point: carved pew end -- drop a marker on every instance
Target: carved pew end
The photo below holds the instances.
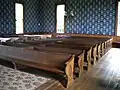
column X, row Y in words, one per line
column 69, row 70
column 81, row 63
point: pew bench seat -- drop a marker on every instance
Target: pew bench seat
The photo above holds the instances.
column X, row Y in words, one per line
column 52, row 62
column 79, row 54
column 87, row 49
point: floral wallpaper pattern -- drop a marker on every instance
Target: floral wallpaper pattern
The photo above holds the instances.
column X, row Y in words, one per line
column 90, row 16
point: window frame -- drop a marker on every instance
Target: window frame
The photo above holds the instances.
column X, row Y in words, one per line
column 56, row 17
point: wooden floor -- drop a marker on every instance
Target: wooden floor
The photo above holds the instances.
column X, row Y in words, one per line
column 105, row 75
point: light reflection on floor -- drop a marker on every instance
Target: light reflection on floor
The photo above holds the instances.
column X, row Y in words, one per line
column 105, row 75
column 114, row 58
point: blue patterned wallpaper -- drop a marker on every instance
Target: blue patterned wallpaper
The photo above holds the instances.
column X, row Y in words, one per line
column 47, row 15
column 7, row 24
column 32, row 10
column 31, row 16
column 90, row 16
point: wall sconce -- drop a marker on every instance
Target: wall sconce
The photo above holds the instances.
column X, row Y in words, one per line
column 65, row 13
column 71, row 13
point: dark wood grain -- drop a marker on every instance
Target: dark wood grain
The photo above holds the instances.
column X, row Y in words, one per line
column 60, row 50
column 54, row 62
column 79, row 54
column 34, row 58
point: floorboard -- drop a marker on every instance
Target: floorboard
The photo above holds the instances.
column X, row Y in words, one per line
column 105, row 75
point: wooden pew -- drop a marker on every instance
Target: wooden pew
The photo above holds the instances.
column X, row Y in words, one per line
column 23, row 45
column 84, row 41
column 107, row 41
column 47, row 41
column 83, row 45
column 35, row 42
column 53, row 62
column 89, row 42
column 91, row 39
column 79, row 54
column 78, row 40
column 77, row 47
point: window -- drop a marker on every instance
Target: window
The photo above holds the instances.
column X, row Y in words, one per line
column 60, row 18
column 19, row 18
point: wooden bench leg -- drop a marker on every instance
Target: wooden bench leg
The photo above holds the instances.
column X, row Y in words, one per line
column 94, row 55
column 102, row 49
column 81, row 63
column 89, row 59
column 89, row 65
column 105, row 46
column 69, row 70
column 98, row 52
column 15, row 66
